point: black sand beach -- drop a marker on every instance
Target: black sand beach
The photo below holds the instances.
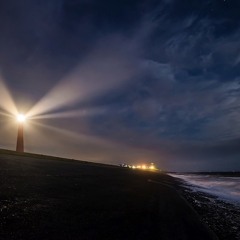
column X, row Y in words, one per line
column 49, row 198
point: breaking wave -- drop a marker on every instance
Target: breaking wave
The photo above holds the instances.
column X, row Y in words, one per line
column 222, row 186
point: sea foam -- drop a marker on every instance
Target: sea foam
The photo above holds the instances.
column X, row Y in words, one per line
column 224, row 187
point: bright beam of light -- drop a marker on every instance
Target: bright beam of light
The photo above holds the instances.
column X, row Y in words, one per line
column 102, row 71
column 62, row 95
column 69, row 114
column 5, row 114
column 7, row 102
column 77, row 136
column 61, row 142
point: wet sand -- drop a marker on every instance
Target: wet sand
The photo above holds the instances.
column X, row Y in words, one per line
column 49, row 198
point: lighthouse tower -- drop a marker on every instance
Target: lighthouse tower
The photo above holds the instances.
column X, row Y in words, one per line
column 20, row 142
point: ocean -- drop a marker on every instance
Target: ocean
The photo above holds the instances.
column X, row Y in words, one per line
column 225, row 186
column 216, row 198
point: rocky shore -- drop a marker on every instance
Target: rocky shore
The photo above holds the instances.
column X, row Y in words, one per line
column 220, row 216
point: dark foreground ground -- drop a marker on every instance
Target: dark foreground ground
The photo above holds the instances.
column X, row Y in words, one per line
column 49, row 198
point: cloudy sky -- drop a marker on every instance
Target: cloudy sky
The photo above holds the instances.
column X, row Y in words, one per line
column 124, row 81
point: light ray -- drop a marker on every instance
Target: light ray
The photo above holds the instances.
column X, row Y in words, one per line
column 87, row 147
column 60, row 96
column 7, row 104
column 100, row 72
column 77, row 136
column 70, row 114
column 6, row 114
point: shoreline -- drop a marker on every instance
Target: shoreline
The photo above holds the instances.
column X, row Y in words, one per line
column 222, row 217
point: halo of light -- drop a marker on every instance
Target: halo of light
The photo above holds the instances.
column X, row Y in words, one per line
column 21, row 118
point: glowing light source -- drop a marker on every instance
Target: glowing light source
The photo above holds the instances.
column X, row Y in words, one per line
column 142, row 167
column 21, row 118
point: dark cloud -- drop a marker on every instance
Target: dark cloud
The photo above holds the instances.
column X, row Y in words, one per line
column 153, row 80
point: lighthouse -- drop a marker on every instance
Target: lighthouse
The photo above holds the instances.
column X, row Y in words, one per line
column 20, row 142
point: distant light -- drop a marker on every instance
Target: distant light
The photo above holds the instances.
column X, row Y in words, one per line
column 144, row 167
column 21, row 118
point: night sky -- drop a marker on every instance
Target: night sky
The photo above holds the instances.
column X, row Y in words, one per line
column 124, row 81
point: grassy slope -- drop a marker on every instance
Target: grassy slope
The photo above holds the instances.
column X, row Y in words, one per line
column 44, row 197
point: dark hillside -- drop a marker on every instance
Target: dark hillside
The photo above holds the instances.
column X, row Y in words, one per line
column 50, row 198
